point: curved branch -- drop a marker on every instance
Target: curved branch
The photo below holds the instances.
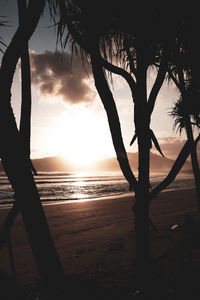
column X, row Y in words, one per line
column 119, row 71
column 178, row 164
column 158, row 82
column 25, row 120
column 110, row 67
column 113, row 118
column 106, row 97
column 20, row 39
column 174, row 79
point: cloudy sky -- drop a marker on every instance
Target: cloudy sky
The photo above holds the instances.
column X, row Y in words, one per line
column 68, row 118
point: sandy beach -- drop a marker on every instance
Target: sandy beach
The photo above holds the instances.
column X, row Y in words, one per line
column 96, row 239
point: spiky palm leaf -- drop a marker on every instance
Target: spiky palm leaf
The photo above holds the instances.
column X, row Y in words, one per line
column 2, row 23
column 177, row 113
column 108, row 23
column 191, row 107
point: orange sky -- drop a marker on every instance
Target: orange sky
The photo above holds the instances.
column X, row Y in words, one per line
column 68, row 118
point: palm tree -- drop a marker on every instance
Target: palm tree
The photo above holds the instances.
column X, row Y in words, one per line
column 186, row 110
column 135, row 43
column 25, row 121
column 99, row 41
column 17, row 167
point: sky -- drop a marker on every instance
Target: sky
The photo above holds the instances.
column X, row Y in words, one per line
column 68, row 118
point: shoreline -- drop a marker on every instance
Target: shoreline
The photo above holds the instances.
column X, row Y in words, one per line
column 116, row 196
column 97, row 238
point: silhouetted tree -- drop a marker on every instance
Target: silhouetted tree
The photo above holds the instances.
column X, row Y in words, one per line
column 25, row 120
column 107, row 32
column 25, row 123
column 99, row 40
column 17, row 167
column 186, row 110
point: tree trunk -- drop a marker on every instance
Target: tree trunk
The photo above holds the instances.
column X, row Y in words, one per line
column 25, row 120
column 113, row 119
column 17, row 167
column 190, row 137
column 141, row 208
column 194, row 158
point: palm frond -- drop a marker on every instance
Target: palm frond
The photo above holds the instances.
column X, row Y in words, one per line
column 3, row 22
column 177, row 113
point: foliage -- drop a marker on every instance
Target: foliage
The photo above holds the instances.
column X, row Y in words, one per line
column 2, row 23
column 191, row 107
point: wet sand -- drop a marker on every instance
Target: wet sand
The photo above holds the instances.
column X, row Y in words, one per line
column 97, row 238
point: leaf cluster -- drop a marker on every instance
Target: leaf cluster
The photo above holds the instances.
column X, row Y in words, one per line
column 3, row 22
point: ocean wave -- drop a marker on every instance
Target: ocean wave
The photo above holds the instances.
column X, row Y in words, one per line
column 53, row 187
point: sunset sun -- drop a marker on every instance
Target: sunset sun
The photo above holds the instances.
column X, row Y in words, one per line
column 78, row 137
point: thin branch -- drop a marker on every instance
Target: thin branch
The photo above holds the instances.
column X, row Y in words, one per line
column 174, row 79
column 158, row 82
column 119, row 71
column 178, row 164
column 113, row 118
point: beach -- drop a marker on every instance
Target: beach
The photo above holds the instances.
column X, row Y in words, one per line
column 96, row 239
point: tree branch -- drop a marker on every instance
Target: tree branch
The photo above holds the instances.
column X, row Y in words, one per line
column 113, row 118
column 178, row 164
column 119, row 71
column 158, row 82
column 20, row 39
column 174, row 79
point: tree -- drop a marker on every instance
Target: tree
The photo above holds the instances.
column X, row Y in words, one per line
column 25, row 121
column 186, row 110
column 136, row 44
column 99, row 41
column 17, row 167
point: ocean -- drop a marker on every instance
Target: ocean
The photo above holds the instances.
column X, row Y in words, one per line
column 54, row 187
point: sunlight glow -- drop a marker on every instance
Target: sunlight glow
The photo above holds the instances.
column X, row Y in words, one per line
column 79, row 137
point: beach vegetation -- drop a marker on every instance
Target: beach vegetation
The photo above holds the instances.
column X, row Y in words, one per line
column 186, row 111
column 14, row 158
column 110, row 39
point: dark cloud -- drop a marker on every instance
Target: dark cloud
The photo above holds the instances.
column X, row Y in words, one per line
column 56, row 74
column 171, row 146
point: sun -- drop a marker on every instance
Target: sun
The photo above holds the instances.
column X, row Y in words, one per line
column 82, row 156
column 80, row 137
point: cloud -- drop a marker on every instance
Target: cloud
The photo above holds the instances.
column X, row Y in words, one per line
column 56, row 74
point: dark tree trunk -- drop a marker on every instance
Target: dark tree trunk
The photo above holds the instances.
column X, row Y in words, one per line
column 141, row 188
column 113, row 119
column 141, row 208
column 190, row 137
column 17, row 167
column 25, row 120
column 194, row 158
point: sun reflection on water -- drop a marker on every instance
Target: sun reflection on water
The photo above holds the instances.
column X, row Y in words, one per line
column 80, row 196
